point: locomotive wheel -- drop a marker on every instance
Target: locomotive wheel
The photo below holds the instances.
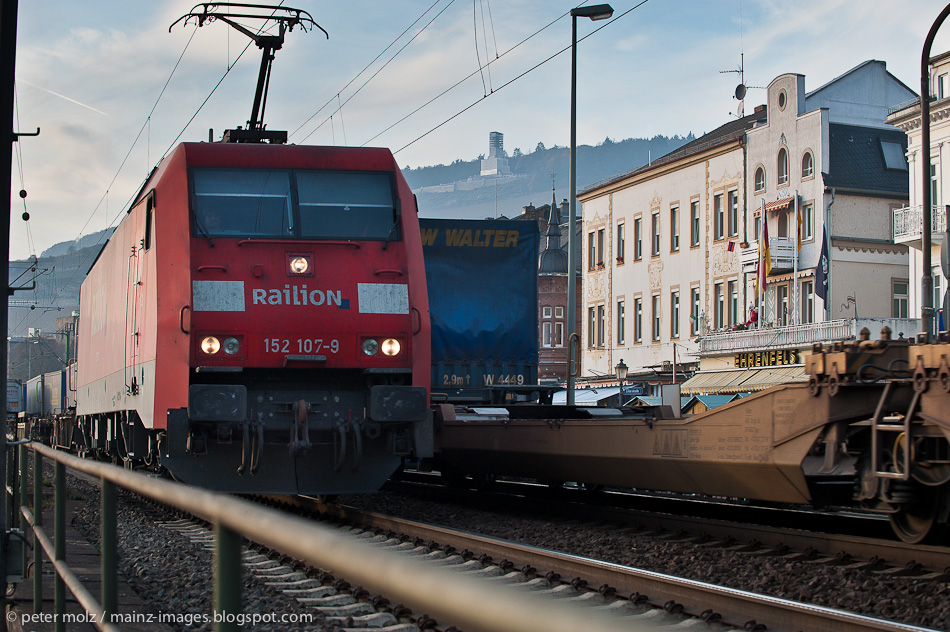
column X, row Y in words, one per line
column 914, row 521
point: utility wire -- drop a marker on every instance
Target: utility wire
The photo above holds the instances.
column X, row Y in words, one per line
column 145, row 125
column 492, row 23
column 481, row 5
column 508, row 83
column 481, row 67
column 139, row 135
column 451, row 2
column 367, row 67
column 466, row 78
column 104, row 198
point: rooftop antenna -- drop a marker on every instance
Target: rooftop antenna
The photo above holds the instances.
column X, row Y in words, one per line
column 742, row 89
column 287, row 18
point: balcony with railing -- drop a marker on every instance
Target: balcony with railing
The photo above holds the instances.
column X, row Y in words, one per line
column 801, row 336
column 908, row 223
column 781, row 249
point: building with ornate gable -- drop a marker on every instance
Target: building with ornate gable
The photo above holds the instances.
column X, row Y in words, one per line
column 671, row 250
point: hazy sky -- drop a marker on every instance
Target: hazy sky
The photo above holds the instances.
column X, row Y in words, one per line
column 89, row 74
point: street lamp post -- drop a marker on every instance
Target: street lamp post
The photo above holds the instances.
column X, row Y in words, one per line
column 594, row 12
column 622, row 376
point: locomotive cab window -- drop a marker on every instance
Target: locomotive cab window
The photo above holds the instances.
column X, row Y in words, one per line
column 294, row 204
column 346, row 205
column 242, row 203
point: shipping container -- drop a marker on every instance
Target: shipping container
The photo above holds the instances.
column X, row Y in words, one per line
column 51, row 393
column 483, row 300
column 14, row 397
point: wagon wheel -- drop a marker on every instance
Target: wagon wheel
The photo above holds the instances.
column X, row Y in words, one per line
column 915, row 520
column 925, row 473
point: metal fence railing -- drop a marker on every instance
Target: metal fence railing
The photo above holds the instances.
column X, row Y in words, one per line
column 468, row 602
column 775, row 337
column 908, row 221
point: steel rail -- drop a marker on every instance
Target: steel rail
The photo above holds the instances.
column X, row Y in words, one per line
column 467, row 602
column 924, row 558
column 736, row 607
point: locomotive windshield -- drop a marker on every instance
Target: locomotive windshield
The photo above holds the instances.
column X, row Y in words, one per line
column 294, row 204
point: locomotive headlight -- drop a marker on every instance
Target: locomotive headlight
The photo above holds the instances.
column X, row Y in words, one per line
column 370, row 347
column 231, row 346
column 299, row 265
column 390, row 346
column 210, row 345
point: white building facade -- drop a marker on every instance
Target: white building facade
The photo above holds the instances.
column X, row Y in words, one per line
column 671, row 250
column 656, row 243
column 907, row 220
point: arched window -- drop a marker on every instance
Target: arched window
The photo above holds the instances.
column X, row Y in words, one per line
column 808, row 165
column 759, row 179
column 782, row 166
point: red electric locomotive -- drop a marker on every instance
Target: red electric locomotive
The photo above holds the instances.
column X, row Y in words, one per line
column 258, row 322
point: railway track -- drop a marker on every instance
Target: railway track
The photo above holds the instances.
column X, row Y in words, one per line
column 863, row 540
column 641, row 595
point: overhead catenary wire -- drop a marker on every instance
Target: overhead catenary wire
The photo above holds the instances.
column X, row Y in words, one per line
column 481, row 6
column 451, row 2
column 104, row 198
column 340, row 102
column 145, row 126
column 491, row 22
column 466, row 78
column 511, row 81
column 481, row 66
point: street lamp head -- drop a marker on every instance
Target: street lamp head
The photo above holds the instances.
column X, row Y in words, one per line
column 622, row 370
column 594, row 12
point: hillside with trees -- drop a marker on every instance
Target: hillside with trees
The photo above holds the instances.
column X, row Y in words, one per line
column 535, row 169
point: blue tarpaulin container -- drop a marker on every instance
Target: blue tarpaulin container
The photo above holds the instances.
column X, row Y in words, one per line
column 483, row 301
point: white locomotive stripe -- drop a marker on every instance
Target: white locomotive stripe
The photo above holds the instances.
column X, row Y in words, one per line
column 217, row 296
column 383, row 298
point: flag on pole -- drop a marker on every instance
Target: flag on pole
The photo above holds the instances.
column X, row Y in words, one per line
column 821, row 272
column 731, row 246
column 798, row 217
column 766, row 256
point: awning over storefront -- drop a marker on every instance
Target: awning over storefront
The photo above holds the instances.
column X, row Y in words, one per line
column 709, row 382
column 742, row 380
column 767, row 378
column 588, row 396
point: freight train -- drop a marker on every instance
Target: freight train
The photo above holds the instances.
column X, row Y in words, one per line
column 871, row 429
column 866, row 432
column 258, row 322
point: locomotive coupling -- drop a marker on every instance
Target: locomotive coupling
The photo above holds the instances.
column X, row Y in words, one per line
column 299, row 431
